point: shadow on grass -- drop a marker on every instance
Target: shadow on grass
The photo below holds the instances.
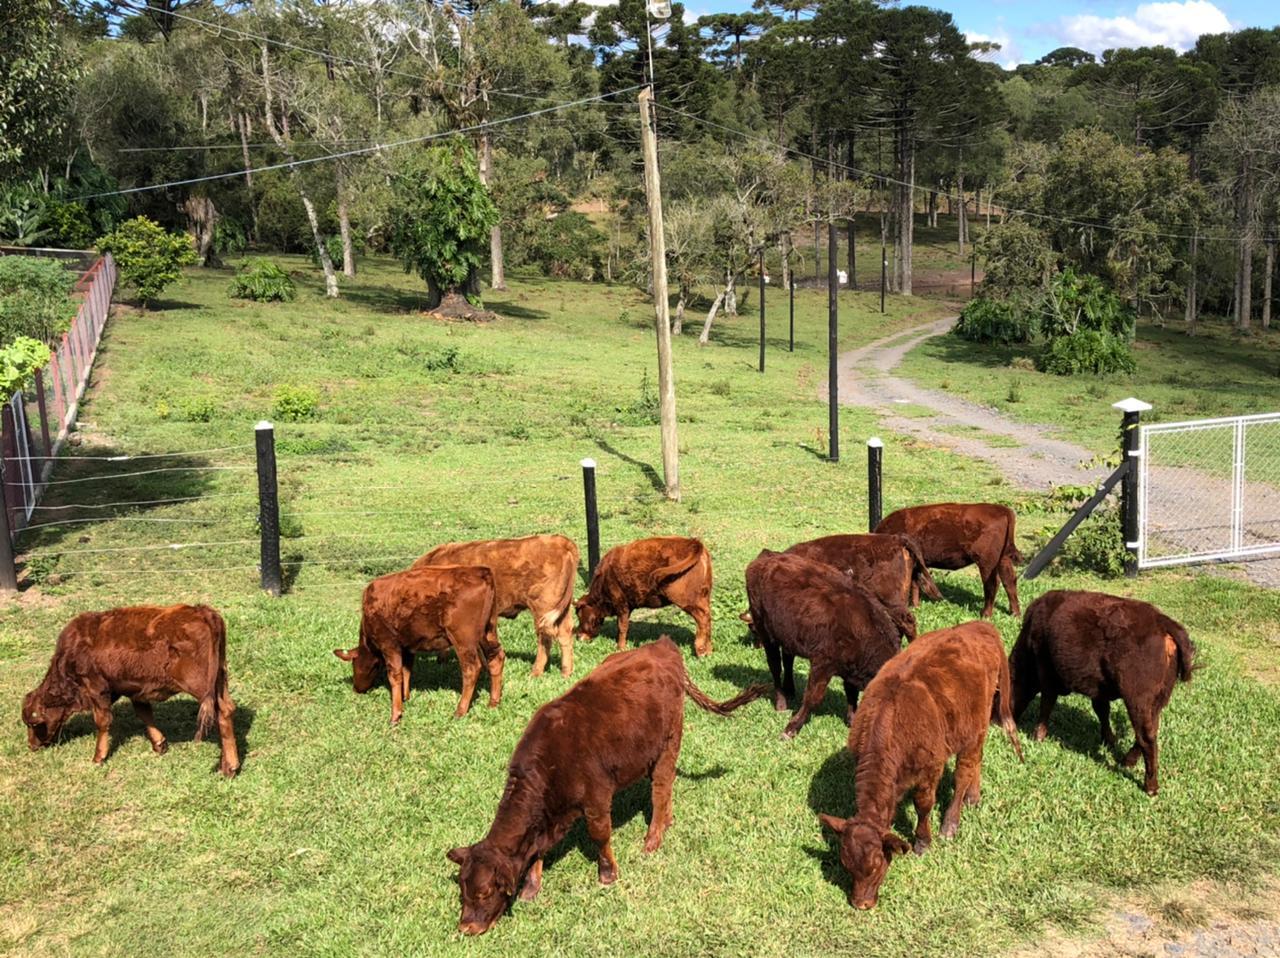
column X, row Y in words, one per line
column 743, row 676
column 515, row 311
column 627, row 804
column 387, row 299
column 650, row 474
column 176, row 718
column 1076, row 729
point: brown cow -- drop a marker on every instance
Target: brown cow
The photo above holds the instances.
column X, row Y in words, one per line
column 952, row 535
column 533, row 572
column 813, row 610
column 428, row 609
column 934, row 700
column 889, row 565
column 621, row 723
column 650, row 574
column 145, row 652
column 1107, row 648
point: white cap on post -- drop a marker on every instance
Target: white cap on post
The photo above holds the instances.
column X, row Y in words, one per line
column 588, row 463
column 875, row 443
column 1131, row 405
column 263, row 425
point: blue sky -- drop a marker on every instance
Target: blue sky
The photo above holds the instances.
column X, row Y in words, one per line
column 1027, row 30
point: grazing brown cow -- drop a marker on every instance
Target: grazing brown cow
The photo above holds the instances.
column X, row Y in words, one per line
column 147, row 653
column 813, row 610
column 428, row 609
column 888, row 565
column 1107, row 648
column 533, row 572
column 621, row 723
column 952, row 535
column 933, row 701
column 650, row 574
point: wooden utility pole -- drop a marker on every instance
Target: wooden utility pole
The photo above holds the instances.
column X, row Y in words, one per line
column 658, row 252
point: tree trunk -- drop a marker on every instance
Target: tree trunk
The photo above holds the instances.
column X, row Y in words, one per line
column 1193, row 307
column 962, row 219
column 326, row 264
column 344, row 222
column 1244, row 271
column 677, row 323
column 784, row 247
column 203, row 216
column 705, row 336
column 1266, row 282
column 497, row 275
column 905, row 191
column 730, row 293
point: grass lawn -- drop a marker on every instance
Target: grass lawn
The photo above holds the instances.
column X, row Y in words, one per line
column 332, row 839
column 1216, row 373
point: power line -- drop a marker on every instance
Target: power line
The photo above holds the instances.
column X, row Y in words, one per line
column 289, row 164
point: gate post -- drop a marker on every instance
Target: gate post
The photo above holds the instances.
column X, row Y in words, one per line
column 1130, row 454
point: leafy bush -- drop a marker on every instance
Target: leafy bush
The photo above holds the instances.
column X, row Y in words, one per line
column 229, row 237
column 296, row 403
column 262, row 281
column 567, row 246
column 35, row 298
column 333, row 244
column 996, row 321
column 69, row 224
column 19, row 361
column 191, row 409
column 448, row 359
column 148, row 258
column 1097, row 545
column 1016, row 260
column 1086, row 351
column 644, row 411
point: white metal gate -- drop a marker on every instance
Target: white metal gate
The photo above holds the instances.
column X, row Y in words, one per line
column 1209, row 489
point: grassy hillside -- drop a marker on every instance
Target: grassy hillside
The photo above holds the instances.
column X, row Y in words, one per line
column 332, row 839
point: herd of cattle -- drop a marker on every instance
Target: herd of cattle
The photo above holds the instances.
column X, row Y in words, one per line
column 843, row 602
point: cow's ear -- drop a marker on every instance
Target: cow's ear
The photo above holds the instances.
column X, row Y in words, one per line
column 830, row 821
column 893, row 845
column 459, row 855
column 346, row 655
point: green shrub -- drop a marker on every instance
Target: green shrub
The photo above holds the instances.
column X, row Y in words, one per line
column 1086, row 351
column 644, row 411
column 996, row 321
column 333, row 245
column 262, row 281
column 35, row 298
column 229, row 237
column 296, row 403
column 148, row 258
column 19, row 361
column 448, row 359
column 1097, row 545
column 69, row 224
column 1015, row 390
column 567, row 246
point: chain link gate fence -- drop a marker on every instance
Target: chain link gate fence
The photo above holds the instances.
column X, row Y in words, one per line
column 1209, row 490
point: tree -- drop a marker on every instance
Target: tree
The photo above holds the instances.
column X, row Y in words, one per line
column 440, row 221
column 1069, row 57
column 148, row 258
column 35, row 82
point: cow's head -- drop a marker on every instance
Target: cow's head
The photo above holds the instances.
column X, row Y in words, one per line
column 865, row 852
column 366, row 665
column 44, row 714
column 590, row 617
column 487, row 879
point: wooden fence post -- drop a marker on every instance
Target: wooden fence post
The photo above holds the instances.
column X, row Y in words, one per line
column 1129, row 438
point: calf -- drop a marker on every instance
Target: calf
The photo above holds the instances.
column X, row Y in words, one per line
column 428, row 609
column 933, row 701
column 810, row 609
column 535, row 573
column 1107, row 648
column 952, row 535
column 650, row 574
column 621, row 723
column 147, row 653
column 890, row 566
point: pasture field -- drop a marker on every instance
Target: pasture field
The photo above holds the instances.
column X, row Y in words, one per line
column 1215, row 373
column 332, row 840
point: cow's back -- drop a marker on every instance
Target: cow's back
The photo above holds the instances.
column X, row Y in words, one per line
column 946, row 531
column 519, row 566
column 638, row 569
column 879, row 561
column 420, row 602
column 141, row 641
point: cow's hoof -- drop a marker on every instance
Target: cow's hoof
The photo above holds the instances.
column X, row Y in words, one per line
column 652, row 844
column 1152, row 789
column 608, row 876
column 788, row 734
column 920, row 847
column 228, row 771
column 1040, row 733
column 949, row 830
column 160, row 747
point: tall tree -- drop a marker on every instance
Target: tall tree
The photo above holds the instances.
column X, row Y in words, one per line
column 35, row 82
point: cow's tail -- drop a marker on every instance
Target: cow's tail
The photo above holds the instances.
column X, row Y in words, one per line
column 1005, row 706
column 216, row 675
column 903, row 621
column 1010, row 546
column 553, row 619
column 704, row 701
column 679, row 567
column 920, row 573
column 1186, row 651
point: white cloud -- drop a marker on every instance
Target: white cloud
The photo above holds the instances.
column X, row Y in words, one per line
column 1008, row 56
column 1171, row 24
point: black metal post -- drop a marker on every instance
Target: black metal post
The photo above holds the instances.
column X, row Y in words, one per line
column 8, row 571
column 853, row 251
column 268, row 508
column 973, row 272
column 884, row 273
column 1129, row 438
column 875, row 501
column 593, row 516
column 791, row 341
column 833, row 358
column 762, row 311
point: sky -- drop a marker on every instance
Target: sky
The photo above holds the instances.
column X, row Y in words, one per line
column 1028, row 29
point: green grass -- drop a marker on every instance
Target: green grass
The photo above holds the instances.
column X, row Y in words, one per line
column 332, row 839
column 1215, row 373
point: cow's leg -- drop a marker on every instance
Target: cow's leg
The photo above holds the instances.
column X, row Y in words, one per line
column 495, row 663
column 915, row 593
column 814, row 690
column 600, row 828
column 406, row 659
column 968, row 767
column 395, row 679
column 102, row 719
column 702, row 636
column 532, row 881
column 851, row 700
column 543, row 636
column 1102, row 709
column 148, row 720
column 773, row 655
column 469, row 662
column 664, row 778
column 789, row 674
column 1145, row 719
column 230, row 763
column 990, row 582
column 624, row 623
column 1009, row 578
column 1025, row 679
column 564, row 636
column 924, row 797
column 1048, row 699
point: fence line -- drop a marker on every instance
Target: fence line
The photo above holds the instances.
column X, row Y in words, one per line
column 56, row 394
